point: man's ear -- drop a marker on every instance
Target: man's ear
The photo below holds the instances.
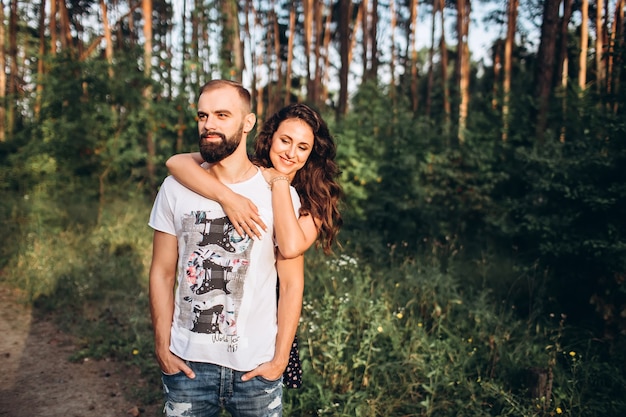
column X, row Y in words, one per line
column 249, row 122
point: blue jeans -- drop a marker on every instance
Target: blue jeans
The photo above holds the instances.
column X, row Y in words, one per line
column 215, row 388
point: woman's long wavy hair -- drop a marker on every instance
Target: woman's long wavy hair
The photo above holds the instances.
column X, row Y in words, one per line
column 316, row 182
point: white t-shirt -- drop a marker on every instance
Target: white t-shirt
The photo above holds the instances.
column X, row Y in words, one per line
column 225, row 300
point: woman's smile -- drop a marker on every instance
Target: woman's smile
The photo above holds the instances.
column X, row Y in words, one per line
column 291, row 146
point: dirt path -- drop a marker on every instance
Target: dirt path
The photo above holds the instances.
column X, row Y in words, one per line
column 39, row 381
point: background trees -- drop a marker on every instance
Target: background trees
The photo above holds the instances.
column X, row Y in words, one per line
column 502, row 166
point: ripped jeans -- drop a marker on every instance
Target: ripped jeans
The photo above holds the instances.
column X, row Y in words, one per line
column 215, row 388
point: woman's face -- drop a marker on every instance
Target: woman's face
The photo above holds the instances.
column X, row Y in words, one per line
column 292, row 144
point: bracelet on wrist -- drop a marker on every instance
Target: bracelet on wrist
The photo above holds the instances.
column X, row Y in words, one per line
column 279, row 178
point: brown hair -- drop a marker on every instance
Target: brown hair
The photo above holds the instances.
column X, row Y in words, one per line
column 316, row 181
column 244, row 94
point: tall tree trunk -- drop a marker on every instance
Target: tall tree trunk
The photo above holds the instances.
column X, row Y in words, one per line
column 40, row 58
column 463, row 65
column 194, row 43
column 545, row 64
column 275, row 97
column 267, row 63
column 606, row 45
column 147, row 33
column 102, row 177
column 231, row 49
column 66, row 32
column 431, row 58
column 563, row 65
column 53, row 27
column 108, row 40
column 180, row 125
column 392, row 58
column 508, row 59
column 613, row 50
column 13, row 70
column 326, row 46
column 250, row 14
column 584, row 43
column 447, row 111
column 308, row 42
column 373, row 38
column 260, row 106
column 290, row 42
column 147, row 92
column 131, row 30
column 237, row 42
column 3, row 77
column 345, row 7
column 497, row 73
column 357, row 25
column 413, row 5
column 619, row 43
column 169, row 69
column 365, row 41
column 599, row 46
column 318, row 69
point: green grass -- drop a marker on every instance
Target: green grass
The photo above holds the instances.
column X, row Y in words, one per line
column 389, row 337
column 91, row 276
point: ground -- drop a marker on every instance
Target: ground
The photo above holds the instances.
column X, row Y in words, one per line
column 39, row 381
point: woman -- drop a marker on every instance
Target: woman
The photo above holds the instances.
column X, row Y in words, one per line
column 294, row 146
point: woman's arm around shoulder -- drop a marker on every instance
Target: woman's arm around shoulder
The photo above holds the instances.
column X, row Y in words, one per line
column 241, row 211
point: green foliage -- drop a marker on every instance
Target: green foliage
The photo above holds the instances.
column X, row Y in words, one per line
column 359, row 151
column 404, row 183
column 566, row 208
column 92, row 128
column 92, row 278
column 553, row 207
column 76, row 129
column 411, row 340
column 391, row 336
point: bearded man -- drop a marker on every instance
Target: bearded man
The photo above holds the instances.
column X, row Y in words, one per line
column 220, row 339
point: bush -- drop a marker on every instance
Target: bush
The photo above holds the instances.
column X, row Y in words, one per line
column 411, row 340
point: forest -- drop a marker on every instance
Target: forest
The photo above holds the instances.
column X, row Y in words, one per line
column 481, row 266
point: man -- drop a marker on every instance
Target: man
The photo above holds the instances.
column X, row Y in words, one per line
column 220, row 339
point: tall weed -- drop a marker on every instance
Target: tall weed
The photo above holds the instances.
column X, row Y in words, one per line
column 410, row 340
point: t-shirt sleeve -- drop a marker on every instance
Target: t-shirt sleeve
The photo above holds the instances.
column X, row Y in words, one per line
column 295, row 199
column 162, row 215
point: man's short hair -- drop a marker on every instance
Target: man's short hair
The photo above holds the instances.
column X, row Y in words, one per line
column 244, row 94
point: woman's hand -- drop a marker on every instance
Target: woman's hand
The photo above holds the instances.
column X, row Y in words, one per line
column 269, row 173
column 243, row 214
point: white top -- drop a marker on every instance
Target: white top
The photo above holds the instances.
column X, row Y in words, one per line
column 225, row 301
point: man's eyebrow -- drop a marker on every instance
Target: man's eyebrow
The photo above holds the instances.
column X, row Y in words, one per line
column 215, row 111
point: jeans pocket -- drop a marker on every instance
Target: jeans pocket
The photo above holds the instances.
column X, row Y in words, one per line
column 269, row 381
column 165, row 374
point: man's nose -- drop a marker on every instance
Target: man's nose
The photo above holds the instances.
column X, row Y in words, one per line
column 208, row 123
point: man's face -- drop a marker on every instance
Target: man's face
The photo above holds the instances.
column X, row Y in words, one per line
column 220, row 123
column 213, row 150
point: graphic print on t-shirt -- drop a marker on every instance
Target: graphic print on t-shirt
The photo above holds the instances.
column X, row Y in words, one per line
column 216, row 260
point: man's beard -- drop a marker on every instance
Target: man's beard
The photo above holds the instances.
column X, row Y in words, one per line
column 214, row 152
